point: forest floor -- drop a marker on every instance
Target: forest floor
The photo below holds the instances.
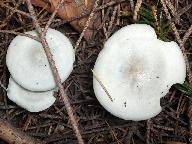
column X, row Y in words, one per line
column 97, row 126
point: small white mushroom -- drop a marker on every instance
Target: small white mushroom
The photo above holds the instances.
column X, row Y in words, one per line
column 31, row 101
column 28, row 65
column 137, row 70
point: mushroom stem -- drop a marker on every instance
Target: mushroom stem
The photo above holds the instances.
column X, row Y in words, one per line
column 64, row 97
column 9, row 134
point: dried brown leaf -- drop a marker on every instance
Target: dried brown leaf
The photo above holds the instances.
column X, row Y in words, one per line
column 71, row 9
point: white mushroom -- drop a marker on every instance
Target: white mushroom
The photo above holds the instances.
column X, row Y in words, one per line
column 31, row 101
column 137, row 70
column 28, row 65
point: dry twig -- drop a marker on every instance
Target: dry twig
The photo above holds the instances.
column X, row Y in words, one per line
column 132, row 5
column 136, row 10
column 112, row 21
column 187, row 34
column 86, row 25
column 21, row 34
column 148, row 131
column 101, row 84
column 60, row 3
column 113, row 133
column 3, row 23
column 11, row 135
column 14, row 10
column 55, row 73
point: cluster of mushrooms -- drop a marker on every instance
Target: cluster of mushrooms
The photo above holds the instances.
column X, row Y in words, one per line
column 31, row 84
column 135, row 67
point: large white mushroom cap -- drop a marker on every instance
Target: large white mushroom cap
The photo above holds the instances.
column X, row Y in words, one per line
column 137, row 70
column 31, row 101
column 28, row 65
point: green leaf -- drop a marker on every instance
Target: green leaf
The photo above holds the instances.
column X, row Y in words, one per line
column 147, row 17
column 185, row 88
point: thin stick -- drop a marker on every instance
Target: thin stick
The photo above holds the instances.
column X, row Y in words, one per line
column 21, row 34
column 86, row 2
column 113, row 133
column 112, row 21
column 102, row 85
column 2, row 86
column 9, row 134
column 132, row 5
column 148, row 131
column 136, row 10
column 3, row 23
column 86, row 25
column 14, row 10
column 55, row 74
column 60, row 3
column 187, row 34
column 171, row 7
column 154, row 10
column 109, row 4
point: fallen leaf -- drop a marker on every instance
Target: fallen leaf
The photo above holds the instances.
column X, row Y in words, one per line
column 71, row 9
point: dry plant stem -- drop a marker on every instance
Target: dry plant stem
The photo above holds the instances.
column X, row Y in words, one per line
column 118, row 14
column 113, row 133
column 187, row 34
column 86, row 25
column 60, row 3
column 102, row 85
column 173, row 10
column 112, row 21
column 171, row 7
column 63, row 95
column 136, row 10
column 2, row 86
column 182, row 11
column 9, row 134
column 14, row 10
column 86, row 2
column 103, row 25
column 21, row 34
column 109, row 4
column 154, row 10
column 132, row 5
column 148, row 131
column 3, row 23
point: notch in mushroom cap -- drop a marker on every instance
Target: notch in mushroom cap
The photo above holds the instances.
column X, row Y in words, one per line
column 31, row 101
column 28, row 64
column 137, row 70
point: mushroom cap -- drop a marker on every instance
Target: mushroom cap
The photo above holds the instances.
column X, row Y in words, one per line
column 31, row 101
column 28, row 64
column 137, row 71
column 138, row 31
